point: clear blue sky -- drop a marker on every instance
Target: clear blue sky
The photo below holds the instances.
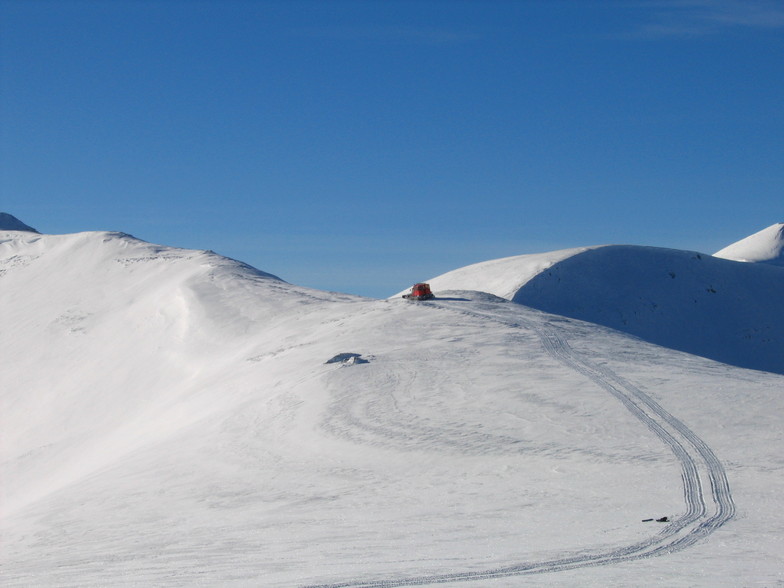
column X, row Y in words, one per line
column 361, row 146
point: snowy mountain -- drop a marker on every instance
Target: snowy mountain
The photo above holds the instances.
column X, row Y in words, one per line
column 683, row 300
column 172, row 417
column 766, row 246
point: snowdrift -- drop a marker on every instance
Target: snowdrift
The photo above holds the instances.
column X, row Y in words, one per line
column 108, row 343
column 720, row 309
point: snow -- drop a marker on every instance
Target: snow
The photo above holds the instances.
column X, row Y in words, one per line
column 765, row 246
column 169, row 417
column 665, row 296
column 501, row 277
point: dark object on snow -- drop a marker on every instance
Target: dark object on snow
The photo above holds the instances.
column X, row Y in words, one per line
column 347, row 359
column 420, row 291
column 661, row 520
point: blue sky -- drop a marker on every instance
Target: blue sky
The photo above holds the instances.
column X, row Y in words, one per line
column 363, row 146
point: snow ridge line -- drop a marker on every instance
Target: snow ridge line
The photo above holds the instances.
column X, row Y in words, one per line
column 698, row 465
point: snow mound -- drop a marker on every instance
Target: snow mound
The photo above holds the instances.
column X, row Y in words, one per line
column 683, row 300
column 92, row 313
column 9, row 222
column 765, row 246
column 501, row 277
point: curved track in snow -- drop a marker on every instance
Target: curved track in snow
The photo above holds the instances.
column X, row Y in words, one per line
column 706, row 491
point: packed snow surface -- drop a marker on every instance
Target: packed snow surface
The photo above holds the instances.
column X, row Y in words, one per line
column 172, row 417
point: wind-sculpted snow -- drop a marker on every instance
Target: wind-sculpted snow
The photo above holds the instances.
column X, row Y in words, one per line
column 683, row 300
column 724, row 310
column 501, row 277
column 170, row 417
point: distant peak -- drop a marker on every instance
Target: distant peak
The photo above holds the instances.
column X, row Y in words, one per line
column 765, row 246
column 9, row 222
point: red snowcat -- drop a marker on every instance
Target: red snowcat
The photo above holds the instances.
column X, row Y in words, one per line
column 419, row 291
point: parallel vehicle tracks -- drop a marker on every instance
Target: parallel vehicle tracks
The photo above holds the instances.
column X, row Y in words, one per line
column 706, row 491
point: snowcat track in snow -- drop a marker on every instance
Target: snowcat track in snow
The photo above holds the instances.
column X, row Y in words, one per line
column 707, row 492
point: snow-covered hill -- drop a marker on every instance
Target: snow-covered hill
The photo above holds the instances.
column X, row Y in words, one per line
column 170, row 417
column 684, row 300
column 765, row 246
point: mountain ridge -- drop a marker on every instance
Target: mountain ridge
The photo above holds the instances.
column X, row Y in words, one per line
column 171, row 417
column 8, row 222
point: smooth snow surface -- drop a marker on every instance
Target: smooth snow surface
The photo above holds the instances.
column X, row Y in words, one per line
column 766, row 246
column 501, row 277
column 683, row 300
column 169, row 418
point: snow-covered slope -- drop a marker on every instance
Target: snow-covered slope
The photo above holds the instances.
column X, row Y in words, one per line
column 500, row 277
column 765, row 246
column 683, row 300
column 168, row 417
column 92, row 313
